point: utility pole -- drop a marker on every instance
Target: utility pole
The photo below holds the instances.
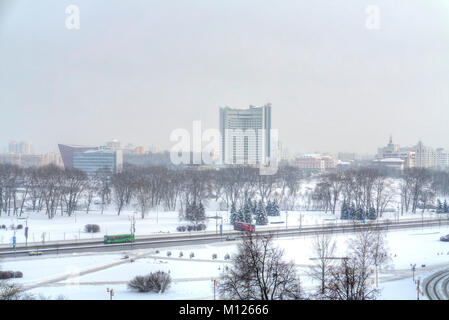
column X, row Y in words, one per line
column 413, row 270
column 418, row 290
column 26, row 232
column 215, row 285
column 111, row 293
column 133, row 227
column 14, row 241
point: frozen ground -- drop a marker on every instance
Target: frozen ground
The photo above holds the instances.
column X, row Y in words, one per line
column 193, row 276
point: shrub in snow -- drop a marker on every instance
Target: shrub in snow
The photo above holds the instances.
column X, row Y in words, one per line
column 18, row 274
column 197, row 227
column 94, row 228
column 227, row 257
column 214, row 256
column 192, row 255
column 6, row 275
column 154, row 282
column 19, row 227
column 3, row 226
column 157, row 251
column 168, row 253
column 181, row 254
column 181, row 228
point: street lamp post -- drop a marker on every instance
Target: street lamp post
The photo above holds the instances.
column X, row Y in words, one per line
column 111, row 293
column 413, row 270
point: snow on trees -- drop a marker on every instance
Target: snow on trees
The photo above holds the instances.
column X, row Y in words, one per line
column 261, row 215
column 259, row 272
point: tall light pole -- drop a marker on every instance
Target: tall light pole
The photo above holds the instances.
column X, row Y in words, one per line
column 111, row 293
column 413, row 270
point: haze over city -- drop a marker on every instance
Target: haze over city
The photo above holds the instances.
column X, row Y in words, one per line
column 137, row 70
column 224, row 154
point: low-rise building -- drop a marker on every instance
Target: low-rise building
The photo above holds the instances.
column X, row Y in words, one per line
column 92, row 161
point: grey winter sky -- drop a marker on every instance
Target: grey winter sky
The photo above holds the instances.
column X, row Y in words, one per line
column 136, row 70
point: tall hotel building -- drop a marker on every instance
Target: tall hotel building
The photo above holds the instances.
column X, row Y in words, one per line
column 245, row 135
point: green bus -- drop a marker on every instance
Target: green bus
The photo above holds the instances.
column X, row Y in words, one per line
column 119, row 238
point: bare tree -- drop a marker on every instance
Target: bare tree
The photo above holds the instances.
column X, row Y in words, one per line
column 383, row 194
column 122, row 185
column 323, row 249
column 290, row 182
column 347, row 282
column 258, row 272
column 10, row 291
column 419, row 182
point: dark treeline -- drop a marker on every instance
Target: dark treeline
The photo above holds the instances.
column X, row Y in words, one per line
column 56, row 190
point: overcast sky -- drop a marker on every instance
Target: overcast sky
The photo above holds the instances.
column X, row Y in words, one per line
column 136, row 70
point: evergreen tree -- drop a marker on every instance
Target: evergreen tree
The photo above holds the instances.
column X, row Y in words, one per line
column 233, row 214
column 254, row 207
column 352, row 211
column 268, row 208
column 372, row 214
column 445, row 207
column 195, row 213
column 275, row 208
column 439, row 206
column 240, row 216
column 261, row 215
column 247, row 216
column 344, row 211
column 201, row 214
column 359, row 213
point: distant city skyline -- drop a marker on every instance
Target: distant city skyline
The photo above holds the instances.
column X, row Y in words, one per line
column 138, row 70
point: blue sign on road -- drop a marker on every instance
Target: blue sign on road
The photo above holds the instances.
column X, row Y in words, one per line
column 14, row 241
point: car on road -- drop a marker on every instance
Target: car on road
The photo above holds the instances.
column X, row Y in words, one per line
column 34, row 253
column 445, row 238
column 230, row 238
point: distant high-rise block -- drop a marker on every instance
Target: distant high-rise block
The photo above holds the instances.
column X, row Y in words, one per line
column 19, row 147
column 245, row 135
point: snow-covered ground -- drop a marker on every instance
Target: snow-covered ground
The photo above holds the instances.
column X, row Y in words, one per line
column 193, row 276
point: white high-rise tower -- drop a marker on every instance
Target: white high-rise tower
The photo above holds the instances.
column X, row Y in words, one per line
column 245, row 135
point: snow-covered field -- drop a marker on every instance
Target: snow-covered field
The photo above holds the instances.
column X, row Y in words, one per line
column 193, row 276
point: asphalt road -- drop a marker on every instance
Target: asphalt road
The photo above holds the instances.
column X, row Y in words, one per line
column 436, row 286
column 183, row 239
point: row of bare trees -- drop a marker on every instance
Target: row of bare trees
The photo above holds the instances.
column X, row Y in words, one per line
column 365, row 187
column 54, row 189
column 173, row 188
column 353, row 276
column 48, row 188
column 368, row 188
